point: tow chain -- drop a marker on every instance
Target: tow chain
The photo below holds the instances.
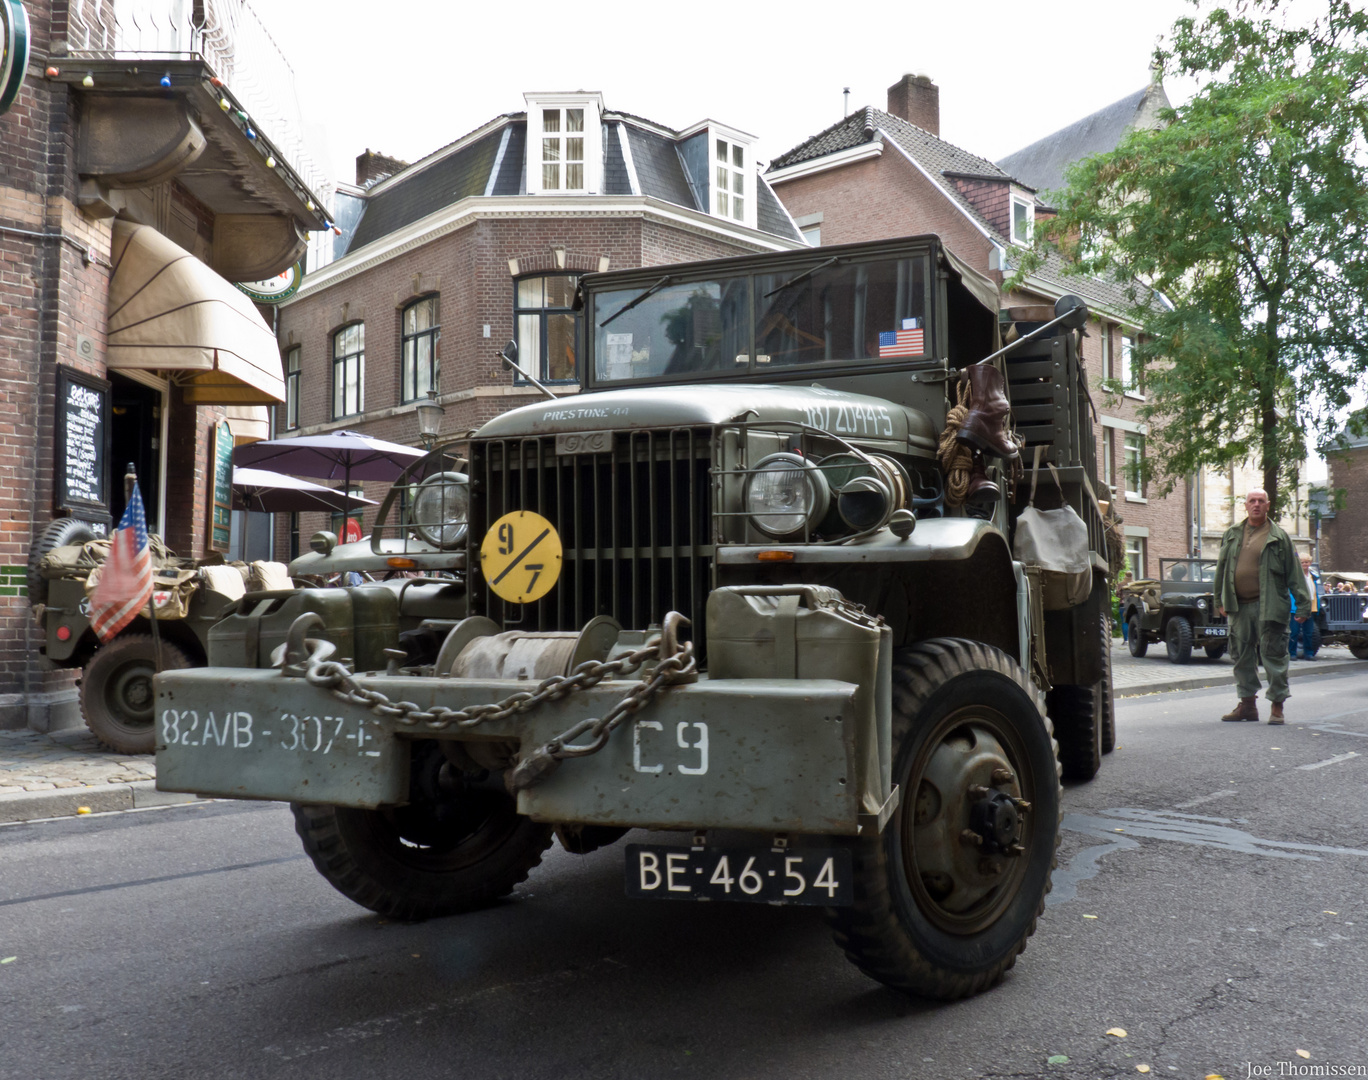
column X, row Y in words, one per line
column 309, row 658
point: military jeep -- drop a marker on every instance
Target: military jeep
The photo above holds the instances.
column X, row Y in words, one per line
column 1179, row 609
column 733, row 592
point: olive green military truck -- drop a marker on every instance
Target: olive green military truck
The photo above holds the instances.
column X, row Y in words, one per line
column 753, row 589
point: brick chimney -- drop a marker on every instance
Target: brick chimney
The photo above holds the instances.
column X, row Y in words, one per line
column 371, row 168
column 916, row 99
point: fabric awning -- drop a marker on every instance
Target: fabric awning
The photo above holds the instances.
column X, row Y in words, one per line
column 170, row 313
column 249, row 423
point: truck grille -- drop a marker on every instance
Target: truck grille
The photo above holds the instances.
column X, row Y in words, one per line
column 634, row 522
column 1344, row 608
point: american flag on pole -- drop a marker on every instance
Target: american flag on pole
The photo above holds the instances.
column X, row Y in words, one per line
column 125, row 584
column 901, row 342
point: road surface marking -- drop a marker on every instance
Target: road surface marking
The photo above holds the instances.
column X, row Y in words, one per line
column 1330, row 761
column 1224, row 793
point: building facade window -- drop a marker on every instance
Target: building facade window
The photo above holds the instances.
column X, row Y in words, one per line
column 1023, row 220
column 1126, row 374
column 1135, row 557
column 1108, row 477
column 547, row 326
column 813, row 235
column 729, row 176
column 294, row 536
column 292, row 388
column 349, row 370
column 1134, row 465
column 419, row 330
column 340, row 521
column 1104, row 336
column 562, row 150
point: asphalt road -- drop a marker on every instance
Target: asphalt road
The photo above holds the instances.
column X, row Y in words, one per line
column 1212, row 901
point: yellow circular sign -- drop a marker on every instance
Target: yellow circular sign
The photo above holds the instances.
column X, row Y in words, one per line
column 521, row 557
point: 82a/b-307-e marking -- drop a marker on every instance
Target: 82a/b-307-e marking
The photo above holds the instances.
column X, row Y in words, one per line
column 239, row 731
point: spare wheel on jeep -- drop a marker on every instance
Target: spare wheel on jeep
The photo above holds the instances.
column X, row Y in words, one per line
column 58, row 533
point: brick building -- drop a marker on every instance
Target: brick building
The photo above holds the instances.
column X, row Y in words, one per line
column 881, row 173
column 128, row 149
column 439, row 263
column 1344, row 530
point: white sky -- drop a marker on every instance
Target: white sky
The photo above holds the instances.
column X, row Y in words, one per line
column 408, row 77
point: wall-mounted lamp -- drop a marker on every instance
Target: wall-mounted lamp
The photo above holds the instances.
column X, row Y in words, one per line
column 430, row 415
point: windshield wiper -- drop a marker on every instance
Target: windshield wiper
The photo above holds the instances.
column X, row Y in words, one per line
column 804, row 275
column 633, row 303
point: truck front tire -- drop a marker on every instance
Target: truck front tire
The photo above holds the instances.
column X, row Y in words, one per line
column 1178, row 640
column 116, row 691
column 459, row 844
column 936, row 913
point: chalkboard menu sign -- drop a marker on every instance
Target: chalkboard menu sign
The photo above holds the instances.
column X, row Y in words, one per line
column 82, row 433
column 221, row 503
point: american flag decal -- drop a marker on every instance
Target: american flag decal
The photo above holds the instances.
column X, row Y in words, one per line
column 125, row 584
column 901, row 343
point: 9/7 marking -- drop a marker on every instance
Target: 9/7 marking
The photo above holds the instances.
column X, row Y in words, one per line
column 521, row 557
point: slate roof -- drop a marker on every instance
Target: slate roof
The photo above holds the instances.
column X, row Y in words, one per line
column 494, row 162
column 1042, row 164
column 943, row 160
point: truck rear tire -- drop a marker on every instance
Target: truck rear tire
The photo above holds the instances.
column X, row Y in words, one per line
column 457, row 846
column 1138, row 645
column 932, row 915
column 1109, row 692
column 1178, row 640
column 116, row 691
column 1082, row 716
column 58, row 533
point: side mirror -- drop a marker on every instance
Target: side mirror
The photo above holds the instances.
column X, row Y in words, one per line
column 1075, row 310
column 509, row 354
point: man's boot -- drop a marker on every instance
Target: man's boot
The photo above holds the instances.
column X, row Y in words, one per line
column 1247, row 709
column 981, row 490
column 986, row 425
column 1276, row 716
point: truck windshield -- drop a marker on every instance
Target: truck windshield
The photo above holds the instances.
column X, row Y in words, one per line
column 872, row 310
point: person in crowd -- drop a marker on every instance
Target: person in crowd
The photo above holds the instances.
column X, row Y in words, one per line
column 1302, row 634
column 1256, row 570
column 1121, row 587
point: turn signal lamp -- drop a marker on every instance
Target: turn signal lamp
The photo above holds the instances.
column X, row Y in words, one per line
column 398, row 563
column 774, row 556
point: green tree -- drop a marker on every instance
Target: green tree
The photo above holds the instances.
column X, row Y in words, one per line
column 1241, row 226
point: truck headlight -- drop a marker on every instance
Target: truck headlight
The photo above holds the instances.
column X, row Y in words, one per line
column 441, row 508
column 785, row 494
column 1201, row 605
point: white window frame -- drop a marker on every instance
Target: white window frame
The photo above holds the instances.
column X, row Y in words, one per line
column 1135, row 556
column 537, row 107
column 1105, row 334
column 1107, row 472
column 1132, row 483
column 1126, row 376
column 1029, row 205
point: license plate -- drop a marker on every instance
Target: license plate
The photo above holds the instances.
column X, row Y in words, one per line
column 1216, row 631
column 754, row 875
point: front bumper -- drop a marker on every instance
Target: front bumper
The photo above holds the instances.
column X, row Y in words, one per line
column 786, row 755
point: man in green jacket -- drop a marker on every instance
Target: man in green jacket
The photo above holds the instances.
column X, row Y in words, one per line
column 1255, row 572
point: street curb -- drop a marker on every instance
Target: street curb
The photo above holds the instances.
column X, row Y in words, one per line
column 1226, row 678
column 66, row 802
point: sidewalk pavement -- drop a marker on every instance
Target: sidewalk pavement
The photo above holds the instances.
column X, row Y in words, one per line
column 63, row 773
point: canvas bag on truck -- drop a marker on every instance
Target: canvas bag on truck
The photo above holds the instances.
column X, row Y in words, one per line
column 1055, row 541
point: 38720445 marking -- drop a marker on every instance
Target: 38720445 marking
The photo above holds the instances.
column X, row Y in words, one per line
column 237, row 730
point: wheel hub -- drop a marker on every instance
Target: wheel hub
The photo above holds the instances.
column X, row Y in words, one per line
column 994, row 818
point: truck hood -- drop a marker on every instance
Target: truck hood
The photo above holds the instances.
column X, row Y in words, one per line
column 868, row 420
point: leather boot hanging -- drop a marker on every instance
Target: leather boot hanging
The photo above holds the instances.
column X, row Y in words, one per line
column 981, row 489
column 986, row 425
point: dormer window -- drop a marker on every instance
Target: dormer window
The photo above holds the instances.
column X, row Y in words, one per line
column 564, row 144
column 729, row 187
column 1023, row 219
column 563, row 149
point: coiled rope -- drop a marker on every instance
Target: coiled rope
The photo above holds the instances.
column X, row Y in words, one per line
column 955, row 457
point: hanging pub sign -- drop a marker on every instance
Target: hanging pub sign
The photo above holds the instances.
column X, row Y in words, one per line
column 14, row 51
column 221, row 491
column 82, row 433
column 276, row 289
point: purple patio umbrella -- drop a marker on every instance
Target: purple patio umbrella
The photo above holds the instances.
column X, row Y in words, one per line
column 275, row 493
column 341, row 453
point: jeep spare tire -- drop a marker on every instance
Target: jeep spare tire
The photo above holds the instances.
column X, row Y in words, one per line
column 116, row 691
column 58, row 533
